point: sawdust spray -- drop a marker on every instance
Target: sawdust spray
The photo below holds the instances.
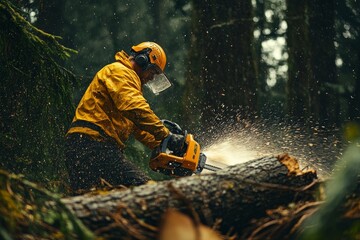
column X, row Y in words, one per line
column 229, row 151
column 316, row 147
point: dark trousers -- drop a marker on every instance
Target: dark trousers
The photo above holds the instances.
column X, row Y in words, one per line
column 88, row 161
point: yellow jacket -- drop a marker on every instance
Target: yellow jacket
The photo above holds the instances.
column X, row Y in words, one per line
column 114, row 102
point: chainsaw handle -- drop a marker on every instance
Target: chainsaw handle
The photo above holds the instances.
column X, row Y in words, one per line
column 165, row 142
column 173, row 127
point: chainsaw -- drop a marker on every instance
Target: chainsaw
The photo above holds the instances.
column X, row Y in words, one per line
column 190, row 161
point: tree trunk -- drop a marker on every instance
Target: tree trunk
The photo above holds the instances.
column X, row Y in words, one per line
column 222, row 61
column 324, row 99
column 233, row 195
column 299, row 66
column 312, row 72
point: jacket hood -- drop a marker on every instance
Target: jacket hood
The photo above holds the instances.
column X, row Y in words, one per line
column 123, row 57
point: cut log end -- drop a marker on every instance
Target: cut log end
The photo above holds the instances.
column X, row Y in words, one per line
column 293, row 166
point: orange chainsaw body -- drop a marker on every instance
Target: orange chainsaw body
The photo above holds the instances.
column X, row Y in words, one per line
column 169, row 164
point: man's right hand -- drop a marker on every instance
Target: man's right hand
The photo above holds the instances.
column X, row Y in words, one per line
column 177, row 144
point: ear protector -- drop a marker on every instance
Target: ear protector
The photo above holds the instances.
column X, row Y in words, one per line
column 142, row 58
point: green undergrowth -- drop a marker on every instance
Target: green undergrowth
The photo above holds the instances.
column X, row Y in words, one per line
column 32, row 212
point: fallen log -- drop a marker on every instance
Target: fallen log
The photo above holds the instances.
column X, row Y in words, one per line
column 229, row 198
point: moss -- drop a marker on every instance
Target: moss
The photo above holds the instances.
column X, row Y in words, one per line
column 30, row 210
column 36, row 97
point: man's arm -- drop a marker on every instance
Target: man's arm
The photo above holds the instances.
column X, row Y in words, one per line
column 124, row 87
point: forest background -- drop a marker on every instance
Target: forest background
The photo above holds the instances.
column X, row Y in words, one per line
column 283, row 71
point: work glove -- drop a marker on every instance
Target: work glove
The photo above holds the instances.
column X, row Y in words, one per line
column 177, row 144
column 172, row 126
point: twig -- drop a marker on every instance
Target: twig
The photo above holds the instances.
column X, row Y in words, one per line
column 311, row 204
column 8, row 187
column 305, row 215
column 104, row 182
column 140, row 222
column 262, row 227
column 194, row 216
column 285, row 222
column 123, row 223
column 187, row 202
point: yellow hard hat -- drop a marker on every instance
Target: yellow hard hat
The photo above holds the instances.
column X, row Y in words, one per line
column 154, row 54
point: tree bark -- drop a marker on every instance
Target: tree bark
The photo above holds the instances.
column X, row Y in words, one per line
column 234, row 195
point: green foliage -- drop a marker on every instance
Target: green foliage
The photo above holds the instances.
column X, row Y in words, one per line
column 29, row 210
column 328, row 222
column 36, row 97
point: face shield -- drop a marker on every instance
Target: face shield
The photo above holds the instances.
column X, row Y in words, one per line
column 158, row 83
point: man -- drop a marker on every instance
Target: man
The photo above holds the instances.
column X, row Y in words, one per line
column 113, row 108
